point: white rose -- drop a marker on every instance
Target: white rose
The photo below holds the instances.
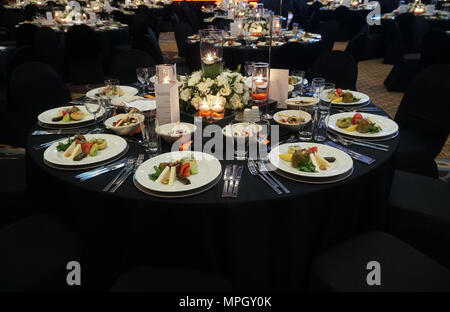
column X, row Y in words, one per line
column 185, row 95
column 246, row 97
column 238, row 88
column 194, row 79
column 226, row 91
column 235, row 102
column 222, row 80
column 196, row 102
column 203, row 87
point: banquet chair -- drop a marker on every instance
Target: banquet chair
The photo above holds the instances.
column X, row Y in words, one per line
column 419, row 214
column 222, row 23
column 388, row 6
column 35, row 87
column 48, row 49
column 119, row 16
column 148, row 279
column 191, row 17
column 25, row 34
column 182, row 31
column 435, row 48
column 356, row 45
column 30, row 11
column 125, row 64
column 83, row 55
column 193, row 56
column 337, row 67
column 36, row 252
column 346, row 267
column 328, row 31
column 148, row 43
column 424, row 129
column 293, row 55
column 342, row 16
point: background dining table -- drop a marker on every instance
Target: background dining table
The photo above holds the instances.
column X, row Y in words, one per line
column 259, row 241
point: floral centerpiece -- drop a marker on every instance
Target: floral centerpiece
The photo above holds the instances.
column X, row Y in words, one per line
column 228, row 88
column 417, row 7
column 257, row 28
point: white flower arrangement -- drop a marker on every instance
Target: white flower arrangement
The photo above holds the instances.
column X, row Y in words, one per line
column 228, row 87
column 257, row 27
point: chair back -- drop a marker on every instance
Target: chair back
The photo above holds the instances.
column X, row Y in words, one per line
column 47, row 48
column 125, row 64
column 294, row 55
column 182, row 31
column 435, row 48
column 25, row 34
column 337, row 67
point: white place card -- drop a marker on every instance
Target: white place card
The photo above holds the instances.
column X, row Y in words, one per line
column 49, row 16
column 167, row 103
column 92, row 18
column 279, row 86
column 143, row 105
column 234, row 29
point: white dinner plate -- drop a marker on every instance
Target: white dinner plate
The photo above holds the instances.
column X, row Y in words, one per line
column 126, row 89
column 236, row 44
column 209, row 168
column 194, row 37
column 388, row 126
column 342, row 164
column 363, row 98
column 46, row 117
column 115, row 146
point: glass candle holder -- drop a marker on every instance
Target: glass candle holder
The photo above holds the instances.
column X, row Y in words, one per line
column 204, row 109
column 217, row 109
column 211, row 52
column 166, row 74
column 260, row 83
column 276, row 26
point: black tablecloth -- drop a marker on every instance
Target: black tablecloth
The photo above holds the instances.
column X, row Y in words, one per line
column 260, row 241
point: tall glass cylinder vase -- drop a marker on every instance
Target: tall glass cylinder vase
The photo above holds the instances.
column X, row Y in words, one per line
column 260, row 83
column 211, row 52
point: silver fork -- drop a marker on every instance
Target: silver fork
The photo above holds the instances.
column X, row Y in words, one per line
column 254, row 171
column 128, row 166
column 126, row 174
column 226, row 180
column 263, row 168
column 233, row 179
column 46, row 144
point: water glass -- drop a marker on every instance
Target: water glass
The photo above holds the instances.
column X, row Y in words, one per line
column 151, row 72
column 325, row 103
column 295, row 28
column 306, row 130
column 248, row 67
column 320, row 133
column 150, row 135
column 298, row 88
column 142, row 76
column 317, row 86
column 94, row 109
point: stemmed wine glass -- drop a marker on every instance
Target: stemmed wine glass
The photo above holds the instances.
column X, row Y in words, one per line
column 298, row 88
column 142, row 76
column 94, row 109
column 151, row 72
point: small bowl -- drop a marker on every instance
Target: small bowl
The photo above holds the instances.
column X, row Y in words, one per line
column 295, row 103
column 124, row 130
column 295, row 127
column 164, row 132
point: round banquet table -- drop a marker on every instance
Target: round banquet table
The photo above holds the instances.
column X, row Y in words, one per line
column 259, row 241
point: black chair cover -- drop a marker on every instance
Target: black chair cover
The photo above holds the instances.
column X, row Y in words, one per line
column 328, row 31
column 48, row 49
column 149, row 44
column 296, row 56
column 34, row 88
column 83, row 55
column 182, row 31
column 388, row 5
column 125, row 65
column 435, row 48
column 191, row 17
column 337, row 67
column 25, row 34
column 420, row 143
column 30, row 11
column 119, row 16
column 405, row 23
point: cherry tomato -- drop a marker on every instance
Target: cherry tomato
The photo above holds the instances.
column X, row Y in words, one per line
column 339, row 91
column 86, row 147
column 185, row 170
column 313, row 149
column 356, row 117
column 64, row 113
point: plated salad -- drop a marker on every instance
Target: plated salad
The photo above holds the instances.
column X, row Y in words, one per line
column 339, row 96
column 70, row 114
column 358, row 123
column 79, row 147
column 307, row 159
column 180, row 170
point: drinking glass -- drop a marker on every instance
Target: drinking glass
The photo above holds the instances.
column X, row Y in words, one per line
column 306, row 130
column 112, row 93
column 151, row 72
column 298, row 88
column 317, row 86
column 248, row 67
column 294, row 28
column 94, row 109
column 320, row 133
column 150, row 135
column 324, row 102
column 142, row 76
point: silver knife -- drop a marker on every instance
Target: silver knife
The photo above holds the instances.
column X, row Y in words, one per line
column 102, row 171
column 370, row 146
column 238, row 176
column 59, row 131
column 226, row 180
column 87, row 173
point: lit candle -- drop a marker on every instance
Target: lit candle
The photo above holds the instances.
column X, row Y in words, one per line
column 209, row 59
column 204, row 109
